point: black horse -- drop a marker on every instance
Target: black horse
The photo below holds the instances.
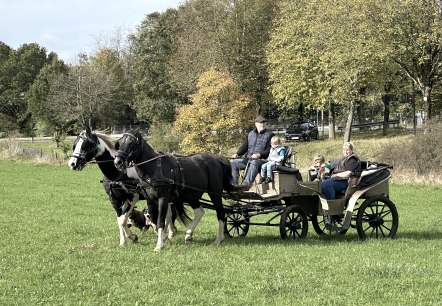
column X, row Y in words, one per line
column 123, row 190
column 180, row 179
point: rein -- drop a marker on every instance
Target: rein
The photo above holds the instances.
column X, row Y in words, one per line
column 147, row 161
column 94, row 161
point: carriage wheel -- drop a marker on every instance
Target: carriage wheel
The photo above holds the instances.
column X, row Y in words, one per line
column 319, row 225
column 237, row 224
column 377, row 218
column 293, row 224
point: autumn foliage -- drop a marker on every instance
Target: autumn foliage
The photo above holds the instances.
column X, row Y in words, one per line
column 216, row 117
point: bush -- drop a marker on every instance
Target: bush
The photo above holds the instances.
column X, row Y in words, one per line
column 418, row 158
column 9, row 148
column 162, row 139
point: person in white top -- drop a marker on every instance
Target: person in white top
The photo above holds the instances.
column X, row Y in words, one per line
column 276, row 157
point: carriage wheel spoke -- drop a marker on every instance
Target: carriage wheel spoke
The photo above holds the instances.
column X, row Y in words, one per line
column 386, row 213
column 386, row 228
column 382, row 231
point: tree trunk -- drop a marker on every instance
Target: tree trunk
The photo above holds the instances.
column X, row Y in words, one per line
column 331, row 120
column 386, row 97
column 347, row 133
column 426, row 93
column 386, row 125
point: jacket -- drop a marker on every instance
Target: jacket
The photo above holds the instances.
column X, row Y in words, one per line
column 256, row 143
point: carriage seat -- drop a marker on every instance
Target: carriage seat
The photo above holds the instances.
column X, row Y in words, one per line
column 286, row 166
column 350, row 190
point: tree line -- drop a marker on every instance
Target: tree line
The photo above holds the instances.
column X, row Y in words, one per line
column 207, row 67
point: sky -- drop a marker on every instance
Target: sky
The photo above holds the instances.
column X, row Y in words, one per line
column 68, row 27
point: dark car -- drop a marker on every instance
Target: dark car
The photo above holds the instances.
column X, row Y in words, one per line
column 302, row 131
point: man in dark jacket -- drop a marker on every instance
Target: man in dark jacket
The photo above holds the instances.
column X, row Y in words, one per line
column 257, row 147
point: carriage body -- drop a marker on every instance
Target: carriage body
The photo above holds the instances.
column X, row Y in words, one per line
column 365, row 205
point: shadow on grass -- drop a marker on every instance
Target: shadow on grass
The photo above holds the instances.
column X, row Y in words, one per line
column 419, row 235
column 327, row 239
column 312, row 239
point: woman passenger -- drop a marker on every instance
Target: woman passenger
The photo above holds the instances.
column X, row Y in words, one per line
column 341, row 173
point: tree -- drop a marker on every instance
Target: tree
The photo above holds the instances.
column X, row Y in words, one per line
column 38, row 97
column 411, row 33
column 86, row 94
column 18, row 71
column 319, row 54
column 198, row 42
column 246, row 35
column 155, row 98
column 214, row 119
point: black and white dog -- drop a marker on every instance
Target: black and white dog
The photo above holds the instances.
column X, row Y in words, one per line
column 140, row 219
column 143, row 219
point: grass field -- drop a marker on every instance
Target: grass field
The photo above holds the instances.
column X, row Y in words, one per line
column 59, row 246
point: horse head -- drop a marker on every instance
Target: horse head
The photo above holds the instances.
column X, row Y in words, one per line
column 129, row 148
column 85, row 148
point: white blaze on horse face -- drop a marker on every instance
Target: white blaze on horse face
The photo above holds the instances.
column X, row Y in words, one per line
column 77, row 152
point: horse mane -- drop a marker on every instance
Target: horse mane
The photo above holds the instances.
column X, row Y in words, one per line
column 106, row 139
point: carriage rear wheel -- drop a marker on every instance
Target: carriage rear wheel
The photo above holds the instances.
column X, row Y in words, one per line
column 293, row 224
column 237, row 224
column 377, row 218
column 319, row 225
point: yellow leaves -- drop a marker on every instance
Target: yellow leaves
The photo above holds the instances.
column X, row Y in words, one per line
column 211, row 122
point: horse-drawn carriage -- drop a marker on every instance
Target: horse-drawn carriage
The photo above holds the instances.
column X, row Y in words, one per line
column 365, row 205
column 164, row 178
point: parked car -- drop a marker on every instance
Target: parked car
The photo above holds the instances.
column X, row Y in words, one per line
column 302, row 131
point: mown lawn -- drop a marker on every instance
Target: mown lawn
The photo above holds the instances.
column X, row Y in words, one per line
column 59, row 246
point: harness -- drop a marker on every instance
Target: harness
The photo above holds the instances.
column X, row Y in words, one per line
column 175, row 181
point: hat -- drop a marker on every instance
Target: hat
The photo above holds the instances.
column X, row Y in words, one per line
column 260, row 119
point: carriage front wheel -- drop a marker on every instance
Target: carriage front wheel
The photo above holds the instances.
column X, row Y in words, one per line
column 319, row 225
column 293, row 224
column 377, row 218
column 237, row 224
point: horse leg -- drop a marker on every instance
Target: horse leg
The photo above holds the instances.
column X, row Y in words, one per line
column 120, row 222
column 199, row 213
column 125, row 232
column 169, row 223
column 162, row 213
column 217, row 202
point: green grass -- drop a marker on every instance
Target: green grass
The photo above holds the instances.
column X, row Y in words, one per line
column 59, row 246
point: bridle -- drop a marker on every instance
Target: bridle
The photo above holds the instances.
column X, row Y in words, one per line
column 82, row 155
column 128, row 158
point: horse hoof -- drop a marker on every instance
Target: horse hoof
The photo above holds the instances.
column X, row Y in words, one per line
column 188, row 239
column 217, row 242
column 157, row 249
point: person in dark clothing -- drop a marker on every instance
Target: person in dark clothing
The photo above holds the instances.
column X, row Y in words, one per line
column 256, row 146
column 341, row 173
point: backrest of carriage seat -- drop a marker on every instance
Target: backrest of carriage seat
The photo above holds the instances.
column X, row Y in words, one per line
column 287, row 156
column 365, row 164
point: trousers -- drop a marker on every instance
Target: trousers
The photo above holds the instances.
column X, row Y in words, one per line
column 329, row 187
column 252, row 169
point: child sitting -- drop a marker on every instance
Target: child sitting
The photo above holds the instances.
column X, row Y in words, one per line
column 276, row 157
column 320, row 168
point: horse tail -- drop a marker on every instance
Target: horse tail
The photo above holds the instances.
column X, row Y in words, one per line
column 227, row 176
column 181, row 213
